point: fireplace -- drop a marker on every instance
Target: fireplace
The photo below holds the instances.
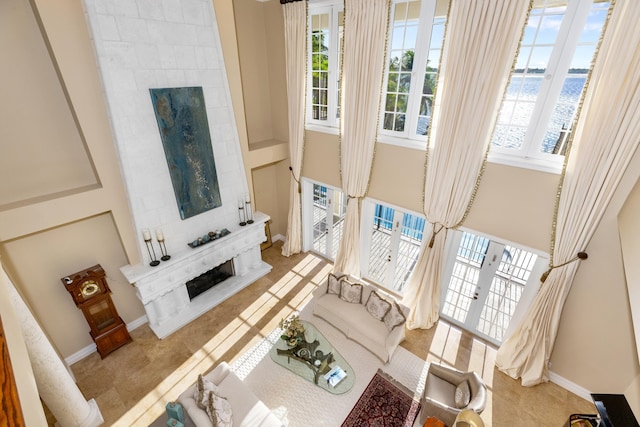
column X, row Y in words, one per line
column 162, row 290
column 209, row 279
column 191, row 56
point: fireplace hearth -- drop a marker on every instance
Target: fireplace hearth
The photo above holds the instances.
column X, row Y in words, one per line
column 209, row 279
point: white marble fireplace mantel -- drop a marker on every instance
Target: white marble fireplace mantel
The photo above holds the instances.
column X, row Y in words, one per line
column 162, row 289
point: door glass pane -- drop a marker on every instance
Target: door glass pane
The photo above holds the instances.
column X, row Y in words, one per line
column 379, row 250
column 464, row 278
column 410, row 241
column 101, row 315
column 506, row 289
column 339, row 212
column 487, row 281
column 319, row 218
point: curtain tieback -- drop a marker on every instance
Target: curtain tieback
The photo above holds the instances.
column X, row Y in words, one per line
column 296, row 180
column 435, row 233
column 580, row 256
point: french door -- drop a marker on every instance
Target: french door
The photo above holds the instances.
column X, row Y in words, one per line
column 488, row 283
column 324, row 209
column 391, row 242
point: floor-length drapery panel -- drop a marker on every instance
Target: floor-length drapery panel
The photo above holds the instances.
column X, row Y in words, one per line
column 365, row 29
column 606, row 136
column 478, row 54
column 295, row 39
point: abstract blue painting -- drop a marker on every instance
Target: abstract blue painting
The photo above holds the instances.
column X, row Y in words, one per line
column 184, row 130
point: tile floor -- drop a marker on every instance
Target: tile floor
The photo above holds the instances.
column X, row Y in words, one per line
column 132, row 385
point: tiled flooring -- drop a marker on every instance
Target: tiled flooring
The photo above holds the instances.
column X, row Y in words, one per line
column 132, row 385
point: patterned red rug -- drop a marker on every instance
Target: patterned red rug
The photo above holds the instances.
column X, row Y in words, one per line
column 384, row 403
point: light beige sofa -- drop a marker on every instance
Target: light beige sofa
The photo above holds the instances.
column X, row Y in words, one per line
column 355, row 319
column 247, row 409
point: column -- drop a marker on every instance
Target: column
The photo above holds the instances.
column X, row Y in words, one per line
column 55, row 385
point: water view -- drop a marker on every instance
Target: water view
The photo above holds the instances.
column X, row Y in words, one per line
column 517, row 110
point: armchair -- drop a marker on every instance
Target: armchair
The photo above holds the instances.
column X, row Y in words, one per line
column 448, row 391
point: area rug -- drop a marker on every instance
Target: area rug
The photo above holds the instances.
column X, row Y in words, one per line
column 298, row 402
column 384, row 403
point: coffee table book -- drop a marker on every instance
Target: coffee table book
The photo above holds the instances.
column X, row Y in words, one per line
column 335, row 375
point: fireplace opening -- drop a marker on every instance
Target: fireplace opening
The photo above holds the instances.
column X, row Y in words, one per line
column 209, row 279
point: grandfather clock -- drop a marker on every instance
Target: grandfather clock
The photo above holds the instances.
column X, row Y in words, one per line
column 91, row 294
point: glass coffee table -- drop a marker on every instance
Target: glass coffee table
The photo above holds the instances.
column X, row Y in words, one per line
column 313, row 359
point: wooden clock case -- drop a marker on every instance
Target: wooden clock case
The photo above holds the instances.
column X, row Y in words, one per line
column 91, row 294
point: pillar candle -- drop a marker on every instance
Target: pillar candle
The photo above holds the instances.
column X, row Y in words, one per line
column 146, row 234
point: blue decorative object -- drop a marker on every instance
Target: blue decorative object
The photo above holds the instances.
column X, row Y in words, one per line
column 184, row 130
column 174, row 411
column 172, row 422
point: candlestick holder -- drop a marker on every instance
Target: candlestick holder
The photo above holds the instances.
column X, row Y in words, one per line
column 248, row 211
column 150, row 250
column 241, row 213
column 241, row 216
column 163, row 250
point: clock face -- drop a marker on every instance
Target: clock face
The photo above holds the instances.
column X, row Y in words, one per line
column 89, row 288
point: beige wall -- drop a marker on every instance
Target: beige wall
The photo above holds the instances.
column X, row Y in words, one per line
column 259, row 28
column 321, row 158
column 512, row 203
column 629, row 228
column 598, row 308
column 515, row 204
column 62, row 232
column 274, row 149
column 271, row 189
column 632, row 393
column 39, row 260
column 38, row 169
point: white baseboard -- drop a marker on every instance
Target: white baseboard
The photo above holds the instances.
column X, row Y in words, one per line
column 91, row 348
column 137, row 323
column 570, row 386
column 277, row 237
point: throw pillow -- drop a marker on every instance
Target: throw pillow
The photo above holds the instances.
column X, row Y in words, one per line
column 395, row 317
column 219, row 410
column 377, row 306
column 201, row 393
column 463, row 395
column 333, row 283
column 350, row 292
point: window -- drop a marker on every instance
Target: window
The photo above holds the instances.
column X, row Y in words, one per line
column 324, row 209
column 415, row 43
column 539, row 108
column 323, row 80
column 487, row 283
column 391, row 242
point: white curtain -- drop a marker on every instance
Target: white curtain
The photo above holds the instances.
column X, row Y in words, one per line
column 365, row 30
column 480, row 44
column 295, row 39
column 606, row 136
